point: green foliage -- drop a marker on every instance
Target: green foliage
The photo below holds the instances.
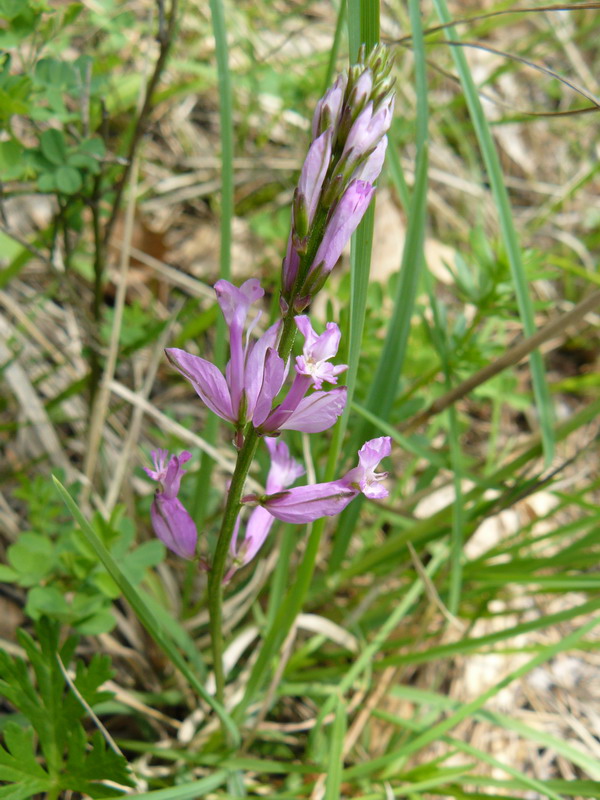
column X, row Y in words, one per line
column 52, row 722
column 53, row 561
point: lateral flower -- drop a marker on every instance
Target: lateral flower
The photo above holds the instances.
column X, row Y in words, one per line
column 317, row 350
column 254, row 374
column 170, row 520
column 284, row 470
column 308, row 503
column 320, row 410
column 344, row 221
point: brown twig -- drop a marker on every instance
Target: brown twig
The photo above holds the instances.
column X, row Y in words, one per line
column 509, row 359
column 165, row 35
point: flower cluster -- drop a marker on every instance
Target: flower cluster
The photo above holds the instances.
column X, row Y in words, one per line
column 255, row 373
column 253, row 394
column 336, row 182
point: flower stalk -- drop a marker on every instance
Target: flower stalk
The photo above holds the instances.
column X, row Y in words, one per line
column 335, row 188
column 217, row 572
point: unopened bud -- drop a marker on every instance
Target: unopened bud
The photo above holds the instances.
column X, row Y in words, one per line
column 300, row 215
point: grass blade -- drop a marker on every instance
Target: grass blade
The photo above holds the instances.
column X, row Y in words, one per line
column 143, row 613
column 336, row 752
column 383, row 388
column 509, row 234
column 436, row 731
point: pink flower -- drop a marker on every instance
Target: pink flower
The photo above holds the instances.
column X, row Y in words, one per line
column 283, row 472
column 308, row 503
column 343, row 222
column 171, row 522
column 329, row 108
column 369, row 128
column 254, row 374
column 320, row 410
column 317, row 350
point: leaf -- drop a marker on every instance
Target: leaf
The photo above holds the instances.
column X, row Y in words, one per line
column 11, row 163
column 86, row 768
column 47, row 600
column 9, row 9
column 18, row 765
column 11, row 105
column 54, row 73
column 68, row 180
column 8, row 575
column 53, row 146
column 32, row 556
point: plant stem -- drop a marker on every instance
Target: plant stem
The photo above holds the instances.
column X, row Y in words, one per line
column 215, row 581
column 230, row 515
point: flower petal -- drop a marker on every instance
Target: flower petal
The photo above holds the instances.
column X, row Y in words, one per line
column 284, row 469
column 344, row 221
column 308, row 503
column 174, row 526
column 317, row 412
column 314, row 170
column 206, row 379
column 271, row 376
column 370, row 169
column 373, row 451
column 235, row 301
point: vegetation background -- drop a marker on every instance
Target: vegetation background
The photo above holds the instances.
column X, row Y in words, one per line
column 441, row 644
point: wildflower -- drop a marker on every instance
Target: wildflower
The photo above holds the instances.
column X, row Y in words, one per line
column 283, row 472
column 308, row 503
column 171, row 522
column 255, row 372
column 336, row 183
column 319, row 410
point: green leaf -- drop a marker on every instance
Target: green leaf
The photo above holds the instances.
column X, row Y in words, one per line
column 54, row 73
column 100, row 622
column 47, row 600
column 53, row 146
column 11, row 105
column 11, row 160
column 19, row 766
column 9, row 9
column 68, row 180
column 8, row 575
column 33, row 557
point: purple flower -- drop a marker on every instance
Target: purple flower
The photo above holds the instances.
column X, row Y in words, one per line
column 317, row 350
column 283, row 472
column 313, row 414
column 329, row 108
column 320, row 410
column 344, row 221
column 171, row 522
column 368, row 129
column 314, row 170
column 370, row 169
column 306, row 200
column 363, row 477
column 254, row 374
column 345, row 158
column 308, row 503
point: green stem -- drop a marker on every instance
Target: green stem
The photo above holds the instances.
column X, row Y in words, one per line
column 215, row 581
column 230, row 515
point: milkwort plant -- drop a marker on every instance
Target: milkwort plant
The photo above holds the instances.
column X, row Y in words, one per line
column 335, row 188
